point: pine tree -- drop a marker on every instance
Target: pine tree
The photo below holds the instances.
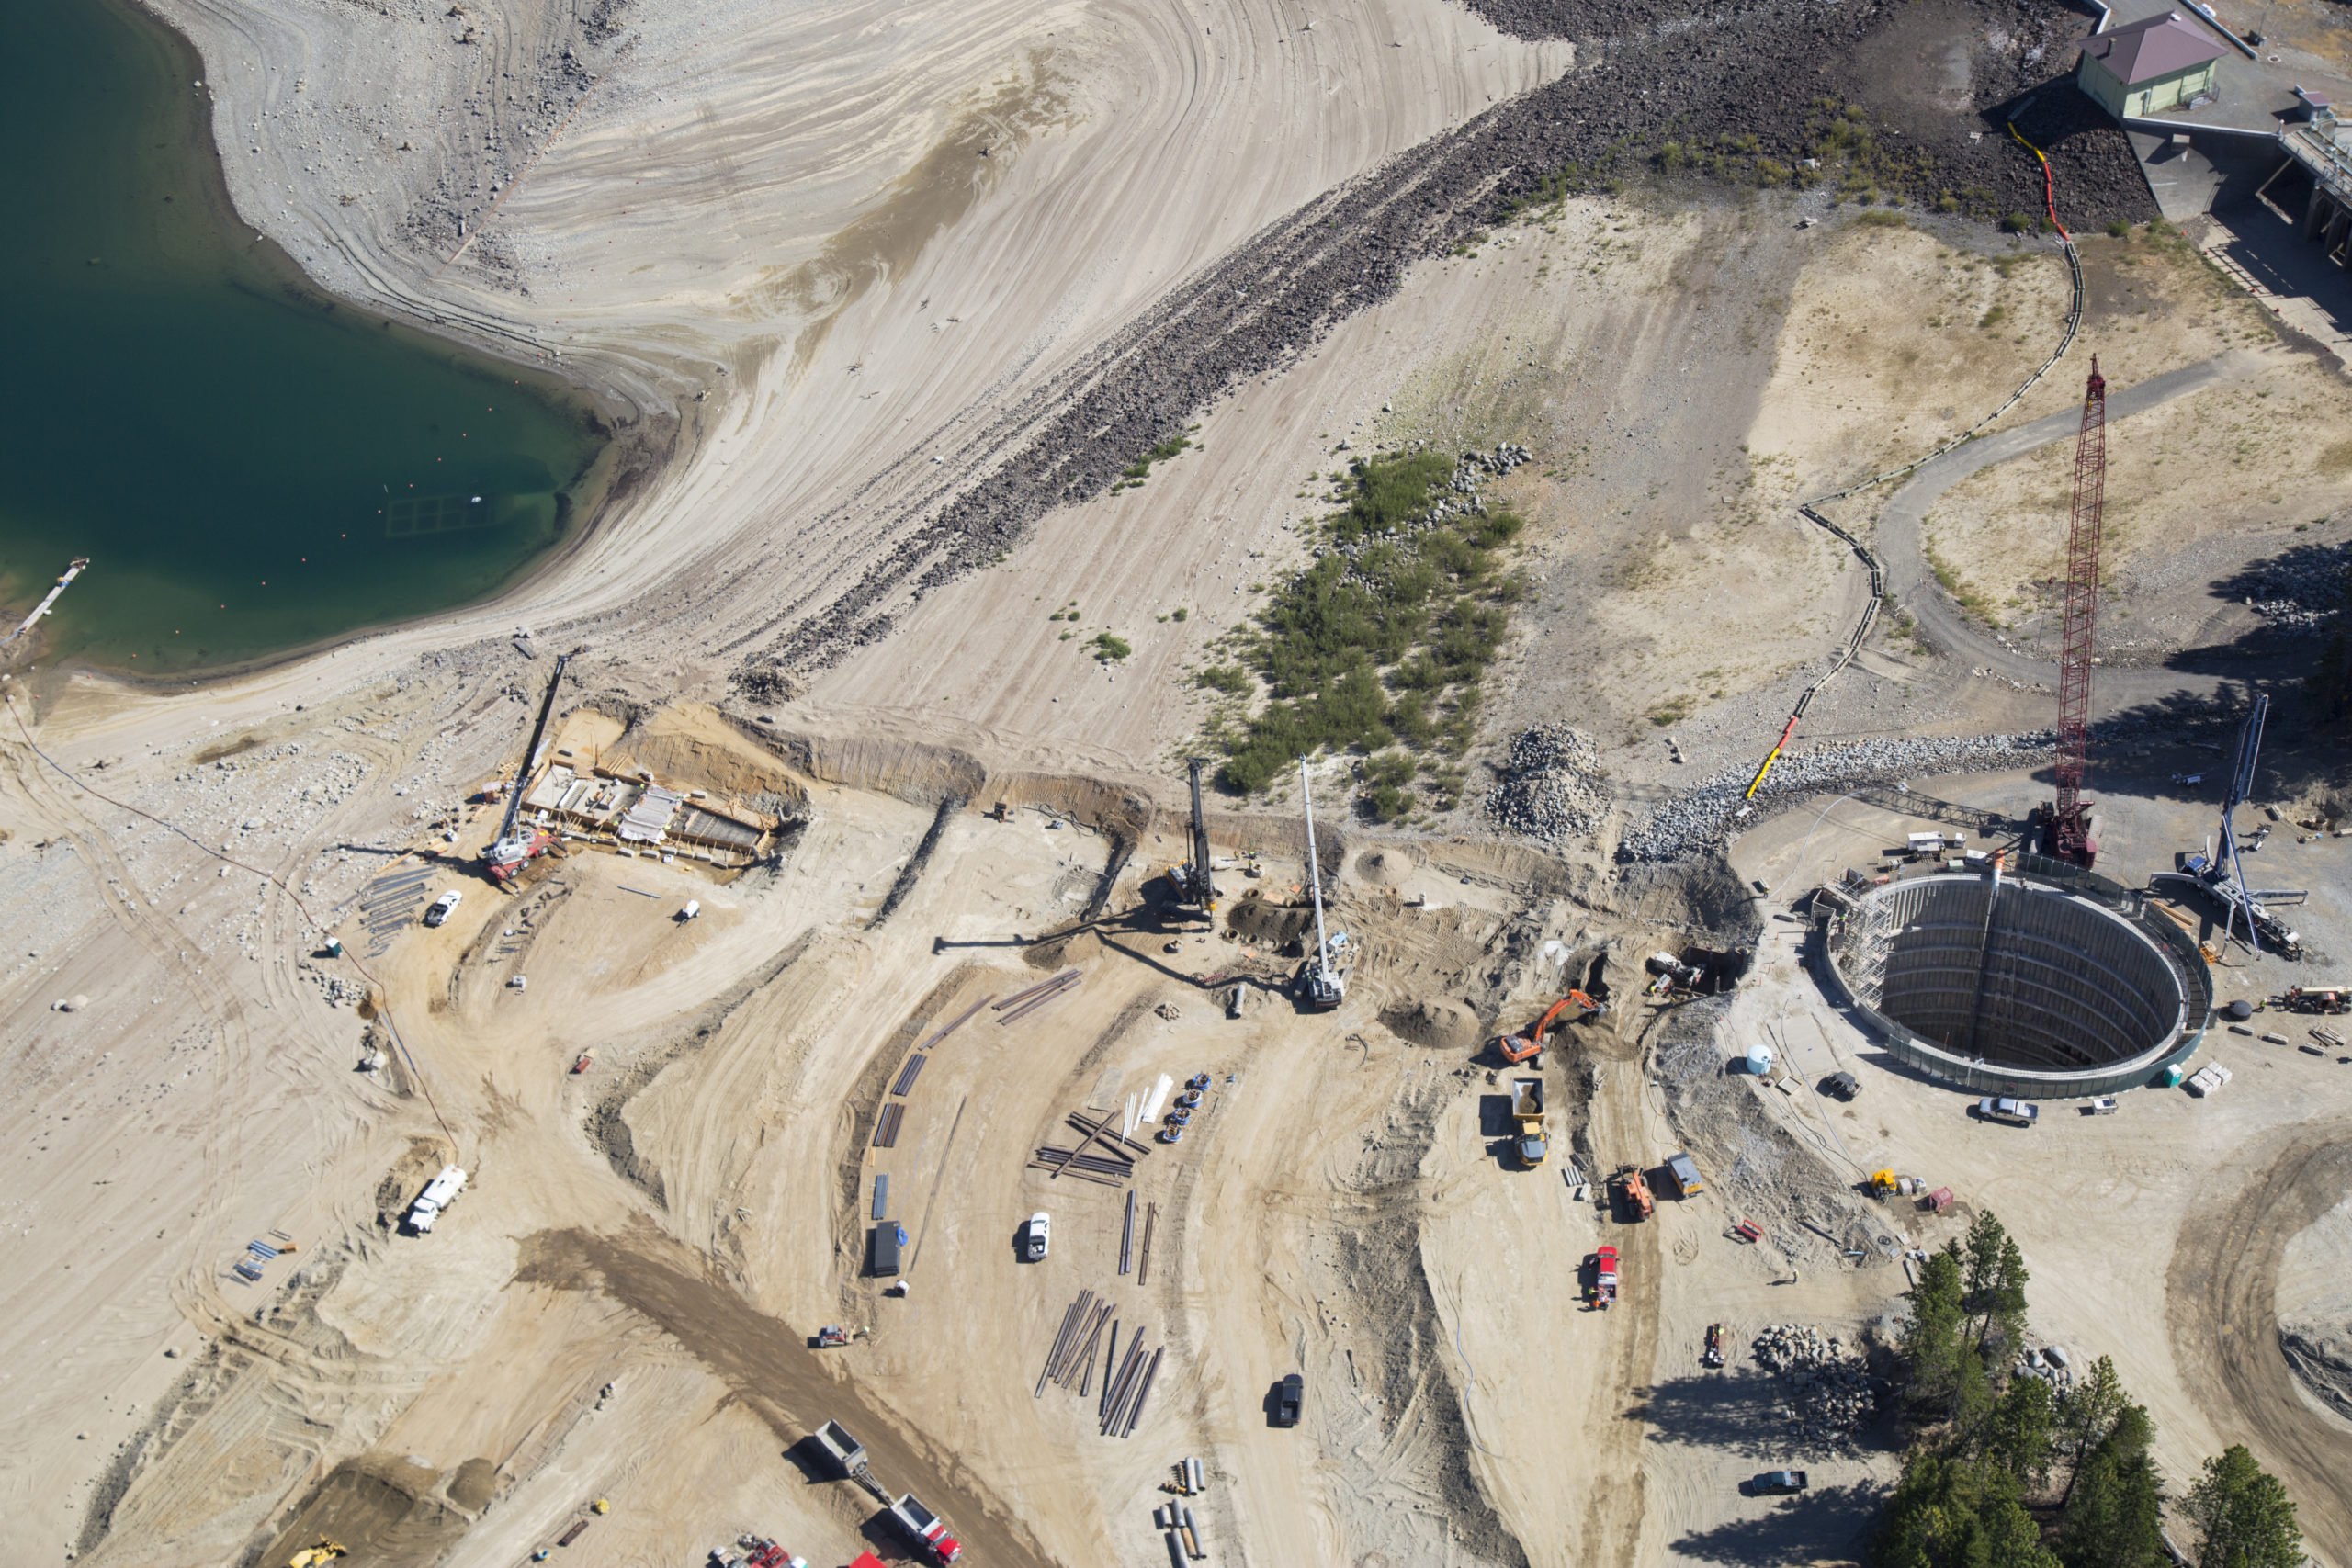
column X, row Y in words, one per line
column 1931, row 1340
column 2244, row 1513
column 1948, row 1512
column 2115, row 1516
column 2020, row 1430
column 2086, row 1419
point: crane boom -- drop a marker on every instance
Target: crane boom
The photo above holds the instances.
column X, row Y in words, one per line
column 508, row 850
column 1324, row 986
column 2070, row 837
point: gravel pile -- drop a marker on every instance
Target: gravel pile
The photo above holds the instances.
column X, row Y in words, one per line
column 1708, row 814
column 1551, row 786
column 2301, row 594
column 1827, row 1390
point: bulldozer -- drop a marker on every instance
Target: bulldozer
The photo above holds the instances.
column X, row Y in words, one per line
column 1518, row 1048
column 317, row 1554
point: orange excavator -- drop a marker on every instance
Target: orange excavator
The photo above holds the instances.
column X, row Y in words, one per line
column 1518, row 1048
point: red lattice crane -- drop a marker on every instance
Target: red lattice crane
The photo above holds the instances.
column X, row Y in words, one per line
column 2070, row 836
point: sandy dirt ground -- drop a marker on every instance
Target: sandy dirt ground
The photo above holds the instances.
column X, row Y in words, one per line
column 621, row 1303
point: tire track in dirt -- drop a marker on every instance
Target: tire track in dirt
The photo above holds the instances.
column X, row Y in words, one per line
column 2222, row 1285
column 771, row 1370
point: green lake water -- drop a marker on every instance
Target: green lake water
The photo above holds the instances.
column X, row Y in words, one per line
column 249, row 466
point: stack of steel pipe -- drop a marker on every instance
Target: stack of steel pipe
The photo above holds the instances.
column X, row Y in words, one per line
column 1019, row 997
column 1062, row 1341
column 1036, row 997
column 1121, row 1148
column 1084, row 1167
column 1054, row 1153
column 1134, row 1410
column 1078, row 1368
column 1117, row 1390
column 961, row 1019
column 1131, row 1387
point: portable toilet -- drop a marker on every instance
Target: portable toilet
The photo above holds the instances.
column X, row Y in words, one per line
column 2170, row 1076
column 1759, row 1059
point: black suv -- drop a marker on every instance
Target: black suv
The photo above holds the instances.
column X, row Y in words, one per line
column 1843, row 1086
column 1287, row 1394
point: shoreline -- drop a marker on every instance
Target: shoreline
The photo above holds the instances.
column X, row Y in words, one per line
column 633, row 446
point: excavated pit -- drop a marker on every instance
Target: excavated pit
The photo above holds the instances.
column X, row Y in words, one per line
column 2019, row 985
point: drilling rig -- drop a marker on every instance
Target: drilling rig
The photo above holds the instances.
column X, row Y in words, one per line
column 2066, row 828
column 1191, row 880
column 514, row 844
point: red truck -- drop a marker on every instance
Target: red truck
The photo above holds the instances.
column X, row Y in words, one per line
column 926, row 1529
column 1603, row 1265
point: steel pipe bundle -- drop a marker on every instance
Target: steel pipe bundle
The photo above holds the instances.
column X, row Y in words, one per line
column 1025, row 1009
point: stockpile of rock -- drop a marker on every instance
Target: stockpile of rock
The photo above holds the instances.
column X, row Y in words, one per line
column 2302, row 592
column 1708, row 812
column 1827, row 1390
column 1550, row 789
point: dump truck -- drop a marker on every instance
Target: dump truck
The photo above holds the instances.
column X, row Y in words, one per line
column 926, row 1530
column 438, row 1194
column 1633, row 1193
column 1527, row 1109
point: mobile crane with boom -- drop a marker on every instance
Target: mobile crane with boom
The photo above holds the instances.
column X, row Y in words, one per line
column 514, row 846
column 1321, row 987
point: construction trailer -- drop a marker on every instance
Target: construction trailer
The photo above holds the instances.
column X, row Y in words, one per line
column 888, row 1237
column 1683, row 1172
column 438, row 1194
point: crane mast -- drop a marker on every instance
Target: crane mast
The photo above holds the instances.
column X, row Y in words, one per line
column 1191, row 879
column 2069, row 829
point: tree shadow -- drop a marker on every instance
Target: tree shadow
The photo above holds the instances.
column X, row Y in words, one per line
column 1827, row 1525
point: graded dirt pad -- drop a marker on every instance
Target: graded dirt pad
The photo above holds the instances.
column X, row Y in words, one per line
column 2223, row 1286
column 2315, row 1309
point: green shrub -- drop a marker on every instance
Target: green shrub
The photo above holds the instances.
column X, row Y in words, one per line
column 1107, row 647
column 2015, row 223
column 1382, row 642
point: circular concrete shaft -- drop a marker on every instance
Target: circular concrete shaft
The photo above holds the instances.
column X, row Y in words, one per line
column 2019, row 985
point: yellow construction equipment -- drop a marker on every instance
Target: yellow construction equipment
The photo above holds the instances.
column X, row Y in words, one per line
column 315, row 1555
column 1884, row 1184
column 600, row 1506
